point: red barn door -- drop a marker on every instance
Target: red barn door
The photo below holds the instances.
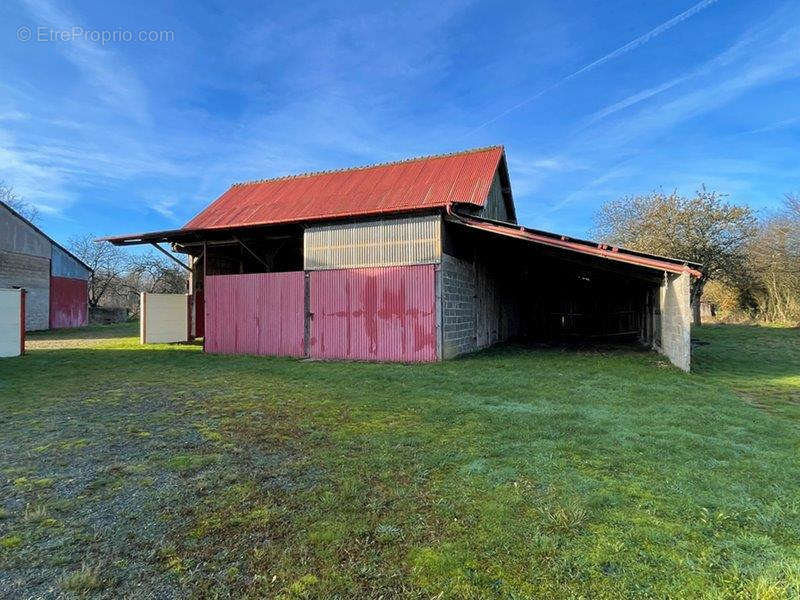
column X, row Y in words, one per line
column 69, row 302
column 258, row 313
column 378, row 313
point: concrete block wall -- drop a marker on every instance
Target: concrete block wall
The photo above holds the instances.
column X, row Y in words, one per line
column 676, row 320
column 33, row 274
column 475, row 312
column 458, row 306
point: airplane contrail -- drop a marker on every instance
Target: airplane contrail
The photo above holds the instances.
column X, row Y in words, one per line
column 632, row 45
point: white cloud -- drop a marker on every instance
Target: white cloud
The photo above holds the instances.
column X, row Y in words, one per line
column 624, row 131
column 342, row 82
column 14, row 115
column 113, row 82
column 766, row 54
column 630, row 46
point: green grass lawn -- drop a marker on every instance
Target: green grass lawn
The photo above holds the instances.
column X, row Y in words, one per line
column 162, row 472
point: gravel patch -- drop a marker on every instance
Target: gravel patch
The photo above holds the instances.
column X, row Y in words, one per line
column 112, row 477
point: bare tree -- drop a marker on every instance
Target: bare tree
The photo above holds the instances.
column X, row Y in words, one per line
column 156, row 274
column 14, row 201
column 703, row 229
column 109, row 263
column 119, row 277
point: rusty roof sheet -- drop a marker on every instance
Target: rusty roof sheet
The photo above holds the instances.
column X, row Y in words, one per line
column 614, row 253
column 414, row 184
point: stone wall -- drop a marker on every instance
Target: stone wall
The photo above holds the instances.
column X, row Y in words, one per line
column 33, row 274
column 676, row 320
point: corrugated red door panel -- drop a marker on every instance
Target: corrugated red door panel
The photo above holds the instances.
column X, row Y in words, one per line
column 379, row 313
column 259, row 313
column 69, row 302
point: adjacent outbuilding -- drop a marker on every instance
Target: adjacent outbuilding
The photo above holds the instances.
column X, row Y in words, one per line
column 418, row 260
column 56, row 282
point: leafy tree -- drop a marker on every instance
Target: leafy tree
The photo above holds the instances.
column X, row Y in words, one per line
column 774, row 261
column 703, row 229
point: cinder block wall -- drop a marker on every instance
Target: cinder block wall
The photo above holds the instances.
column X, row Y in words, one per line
column 475, row 312
column 33, row 274
column 458, row 307
column 676, row 320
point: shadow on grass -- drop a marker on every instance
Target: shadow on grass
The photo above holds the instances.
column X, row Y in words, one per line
column 98, row 332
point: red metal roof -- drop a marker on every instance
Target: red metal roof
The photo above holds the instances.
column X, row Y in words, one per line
column 624, row 255
column 414, row 184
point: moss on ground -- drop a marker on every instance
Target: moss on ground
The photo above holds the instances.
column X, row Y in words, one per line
column 514, row 473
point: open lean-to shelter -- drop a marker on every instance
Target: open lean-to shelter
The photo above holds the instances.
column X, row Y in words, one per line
column 418, row 260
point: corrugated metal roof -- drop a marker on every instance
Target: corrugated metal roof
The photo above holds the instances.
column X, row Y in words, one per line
column 614, row 253
column 414, row 184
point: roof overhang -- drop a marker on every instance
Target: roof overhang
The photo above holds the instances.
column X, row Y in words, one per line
column 188, row 235
column 585, row 247
column 152, row 237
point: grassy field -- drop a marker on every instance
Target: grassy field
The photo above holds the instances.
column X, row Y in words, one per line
column 161, row 472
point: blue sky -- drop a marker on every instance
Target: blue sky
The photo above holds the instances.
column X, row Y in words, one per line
column 593, row 100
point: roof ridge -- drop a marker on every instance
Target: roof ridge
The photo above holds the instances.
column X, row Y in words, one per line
column 372, row 166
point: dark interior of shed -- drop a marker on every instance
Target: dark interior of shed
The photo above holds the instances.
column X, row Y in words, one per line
column 255, row 255
column 252, row 250
column 553, row 295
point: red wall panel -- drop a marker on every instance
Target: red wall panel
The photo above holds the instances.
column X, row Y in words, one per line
column 259, row 313
column 199, row 314
column 379, row 313
column 69, row 302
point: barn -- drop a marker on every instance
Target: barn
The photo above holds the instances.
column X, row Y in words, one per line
column 56, row 282
column 417, row 260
